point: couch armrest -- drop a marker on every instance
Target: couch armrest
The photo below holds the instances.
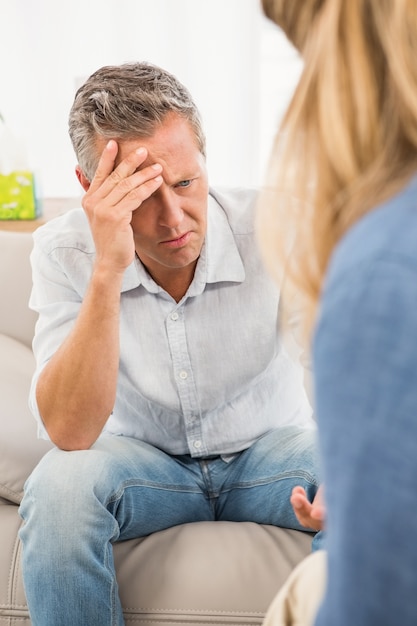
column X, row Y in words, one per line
column 20, row 450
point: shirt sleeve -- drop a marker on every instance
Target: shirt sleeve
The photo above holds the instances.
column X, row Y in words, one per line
column 57, row 304
column 365, row 368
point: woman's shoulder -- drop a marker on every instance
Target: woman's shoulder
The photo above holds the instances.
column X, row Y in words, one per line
column 387, row 233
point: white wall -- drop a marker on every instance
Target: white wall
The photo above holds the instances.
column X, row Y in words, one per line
column 239, row 68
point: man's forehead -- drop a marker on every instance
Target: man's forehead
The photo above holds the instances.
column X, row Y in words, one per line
column 177, row 164
column 125, row 144
column 175, row 151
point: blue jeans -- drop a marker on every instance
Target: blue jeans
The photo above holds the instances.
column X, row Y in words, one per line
column 77, row 504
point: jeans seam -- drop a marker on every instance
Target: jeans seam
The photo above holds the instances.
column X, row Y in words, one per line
column 273, row 479
column 151, row 485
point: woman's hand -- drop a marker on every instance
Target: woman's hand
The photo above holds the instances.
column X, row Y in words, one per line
column 309, row 514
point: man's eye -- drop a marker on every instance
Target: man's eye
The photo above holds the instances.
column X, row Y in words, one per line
column 184, row 183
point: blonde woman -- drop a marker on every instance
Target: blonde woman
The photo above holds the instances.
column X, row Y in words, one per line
column 338, row 226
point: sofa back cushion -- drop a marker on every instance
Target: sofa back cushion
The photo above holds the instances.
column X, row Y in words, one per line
column 16, row 319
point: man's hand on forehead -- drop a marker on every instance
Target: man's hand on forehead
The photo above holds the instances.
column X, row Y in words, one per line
column 116, row 191
column 128, row 176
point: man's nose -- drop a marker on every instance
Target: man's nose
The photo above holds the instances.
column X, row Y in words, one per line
column 171, row 213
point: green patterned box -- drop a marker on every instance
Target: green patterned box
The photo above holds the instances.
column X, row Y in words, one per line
column 18, row 196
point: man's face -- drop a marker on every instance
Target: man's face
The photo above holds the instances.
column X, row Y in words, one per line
column 169, row 227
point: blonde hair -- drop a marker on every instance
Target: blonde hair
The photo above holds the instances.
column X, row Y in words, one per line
column 349, row 137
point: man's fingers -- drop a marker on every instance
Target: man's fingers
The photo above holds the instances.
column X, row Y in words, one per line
column 128, row 181
column 105, row 165
column 127, row 167
column 108, row 176
column 133, row 182
column 132, row 191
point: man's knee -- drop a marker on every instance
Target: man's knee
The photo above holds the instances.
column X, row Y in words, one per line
column 64, row 480
column 291, row 446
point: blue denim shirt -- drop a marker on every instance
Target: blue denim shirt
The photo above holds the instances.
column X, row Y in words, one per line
column 207, row 375
column 365, row 368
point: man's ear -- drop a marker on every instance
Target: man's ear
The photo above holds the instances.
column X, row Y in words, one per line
column 84, row 182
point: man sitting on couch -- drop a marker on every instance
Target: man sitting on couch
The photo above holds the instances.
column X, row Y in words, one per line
column 160, row 377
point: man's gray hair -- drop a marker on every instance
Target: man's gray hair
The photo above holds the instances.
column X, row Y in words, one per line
column 127, row 101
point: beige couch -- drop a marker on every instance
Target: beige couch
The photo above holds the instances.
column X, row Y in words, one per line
column 201, row 573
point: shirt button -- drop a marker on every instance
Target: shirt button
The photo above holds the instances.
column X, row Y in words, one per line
column 174, row 316
column 197, row 444
column 183, row 375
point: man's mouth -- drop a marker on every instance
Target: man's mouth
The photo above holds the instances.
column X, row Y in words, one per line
column 177, row 242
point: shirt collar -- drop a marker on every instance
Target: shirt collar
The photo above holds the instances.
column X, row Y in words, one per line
column 219, row 259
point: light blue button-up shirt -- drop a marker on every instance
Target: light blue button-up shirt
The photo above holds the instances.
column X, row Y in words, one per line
column 205, row 376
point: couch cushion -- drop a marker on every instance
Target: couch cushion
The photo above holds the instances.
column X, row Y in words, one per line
column 206, row 572
column 219, row 573
column 20, row 450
